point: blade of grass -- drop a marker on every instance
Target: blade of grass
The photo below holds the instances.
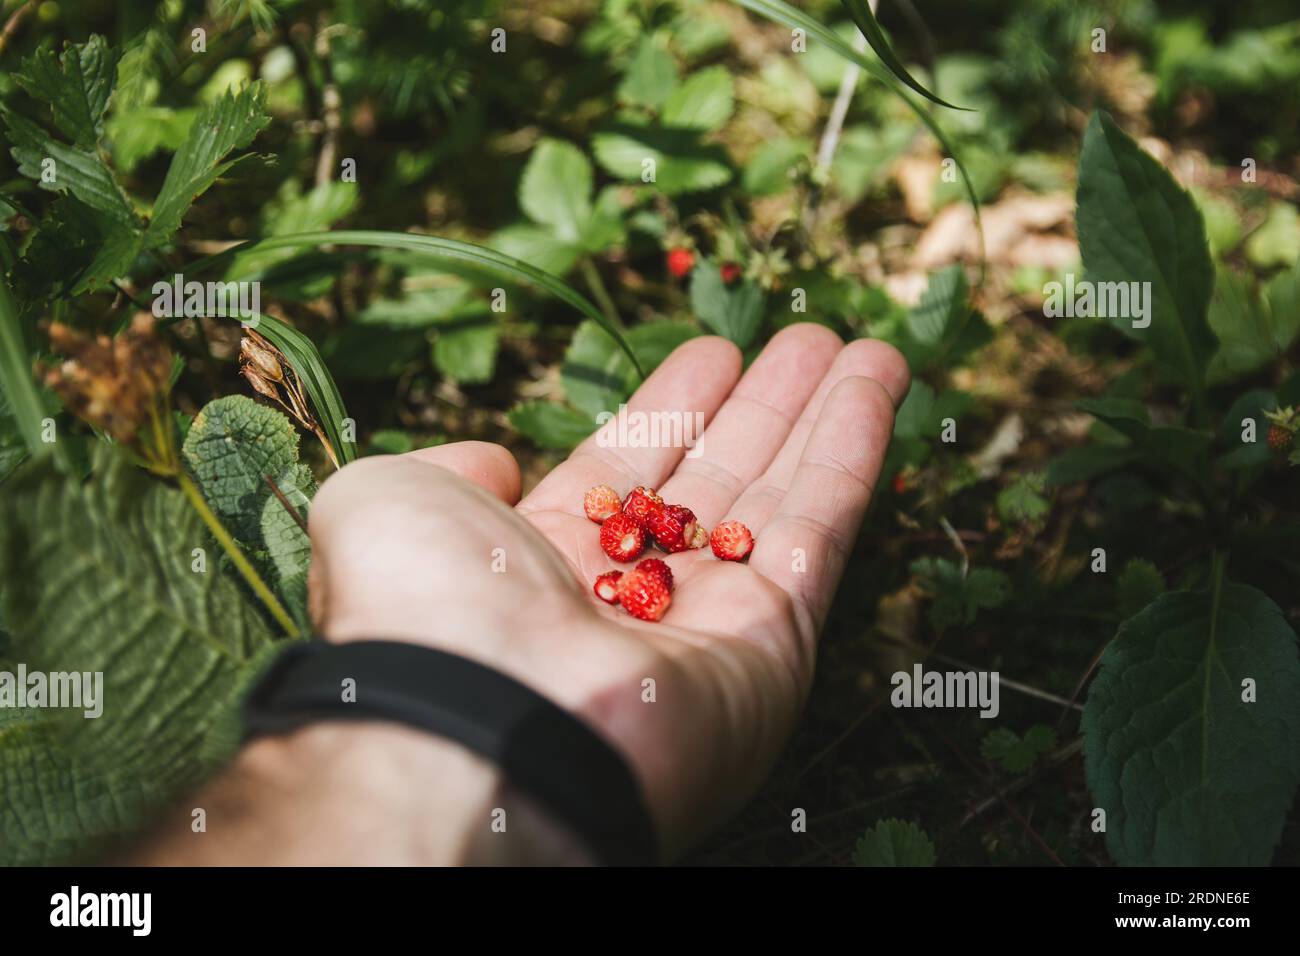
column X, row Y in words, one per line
column 784, row 13
column 438, row 248
column 17, row 382
column 861, row 14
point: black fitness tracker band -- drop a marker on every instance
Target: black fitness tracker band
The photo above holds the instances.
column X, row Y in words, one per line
column 544, row 751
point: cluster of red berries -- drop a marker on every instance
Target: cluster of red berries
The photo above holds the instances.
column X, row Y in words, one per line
column 628, row 525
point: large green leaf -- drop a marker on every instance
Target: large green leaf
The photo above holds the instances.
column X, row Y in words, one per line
column 100, row 576
column 861, row 14
column 1136, row 224
column 77, row 170
column 651, row 74
column 1188, row 772
column 76, row 85
column 229, row 123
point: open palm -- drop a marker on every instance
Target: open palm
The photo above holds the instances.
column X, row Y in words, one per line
column 702, row 701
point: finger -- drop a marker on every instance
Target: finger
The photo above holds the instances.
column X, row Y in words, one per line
column 753, row 423
column 692, row 382
column 487, row 465
column 804, row 546
column 866, row 358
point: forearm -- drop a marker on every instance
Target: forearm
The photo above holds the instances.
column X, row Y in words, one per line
column 357, row 794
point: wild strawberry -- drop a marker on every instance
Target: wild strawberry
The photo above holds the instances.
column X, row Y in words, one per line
column 644, row 594
column 601, row 502
column 606, row 586
column 642, row 502
column 680, row 261
column 731, row 541
column 673, row 527
column 655, row 566
column 730, row 272
column 1279, row 438
column 900, row 483
column 622, row 537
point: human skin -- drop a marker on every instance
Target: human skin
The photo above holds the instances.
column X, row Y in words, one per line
column 412, row 548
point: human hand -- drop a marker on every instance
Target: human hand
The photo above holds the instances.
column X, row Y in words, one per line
column 435, row 547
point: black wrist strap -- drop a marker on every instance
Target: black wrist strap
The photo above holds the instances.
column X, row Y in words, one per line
column 547, row 753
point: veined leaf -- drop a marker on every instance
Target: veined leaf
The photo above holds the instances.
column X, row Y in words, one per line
column 16, row 380
column 704, row 102
column 229, row 123
column 894, row 843
column 76, row 85
column 551, row 425
column 556, row 188
column 861, row 14
column 435, row 247
column 1191, row 769
column 75, row 170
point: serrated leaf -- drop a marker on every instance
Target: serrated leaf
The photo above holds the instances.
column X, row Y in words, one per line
column 958, row 600
column 552, row 425
column 894, row 843
column 768, row 170
column 682, row 164
column 734, row 311
column 99, row 577
column 76, row 170
column 943, row 328
column 1022, row 501
column 229, row 123
column 233, row 445
column 466, row 351
column 704, row 102
column 1188, row 771
column 1139, row 584
column 651, row 74
column 76, row 85
column 597, row 377
column 537, row 246
column 555, row 190
column 1014, row 753
column 1136, row 224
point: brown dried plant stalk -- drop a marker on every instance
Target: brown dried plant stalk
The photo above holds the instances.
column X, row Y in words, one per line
column 272, row 376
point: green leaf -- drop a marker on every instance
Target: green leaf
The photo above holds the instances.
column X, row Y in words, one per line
column 1022, row 501
column 704, row 102
column 597, row 377
column 1252, row 333
column 1188, row 771
column 228, row 124
column 958, row 600
column 556, row 189
column 537, row 246
column 768, row 170
column 894, row 843
column 293, row 211
column 137, row 134
column 24, row 401
column 232, row 447
column 434, row 247
column 1089, row 461
column 861, row 14
column 288, row 547
column 99, row 577
column 733, row 311
column 943, row 328
column 651, row 75
column 682, row 164
column 1140, row 583
column 1136, row 224
column 467, row 351
column 76, row 85
column 1171, row 447
column 1014, row 753
column 551, row 425
column 1277, row 241
column 76, row 170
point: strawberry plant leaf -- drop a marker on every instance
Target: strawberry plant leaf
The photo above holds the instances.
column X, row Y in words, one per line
column 704, row 102
column 76, row 85
column 894, row 843
column 681, row 163
column 528, row 243
column 556, row 187
column 466, row 351
column 732, row 311
column 651, row 74
column 551, row 425
column 100, row 576
column 227, row 124
column 1014, row 753
column 1190, row 770
column 1140, row 583
column 1136, row 224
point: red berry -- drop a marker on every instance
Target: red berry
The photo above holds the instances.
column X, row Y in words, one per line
column 673, row 527
column 680, row 262
column 1279, row 439
column 900, row 483
column 730, row 272
column 641, row 503
column 622, row 537
column 606, row 586
column 655, row 566
column 731, row 541
column 644, row 594
column 601, row 502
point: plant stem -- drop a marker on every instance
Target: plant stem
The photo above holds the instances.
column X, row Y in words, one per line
column 598, row 290
column 231, row 548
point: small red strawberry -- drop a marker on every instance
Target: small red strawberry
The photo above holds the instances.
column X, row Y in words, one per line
column 680, row 261
column 606, row 586
column 655, row 566
column 731, row 541
column 673, row 527
column 900, row 483
column 644, row 594
column 730, row 272
column 601, row 502
column 622, row 537
column 641, row 503
column 1279, row 438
